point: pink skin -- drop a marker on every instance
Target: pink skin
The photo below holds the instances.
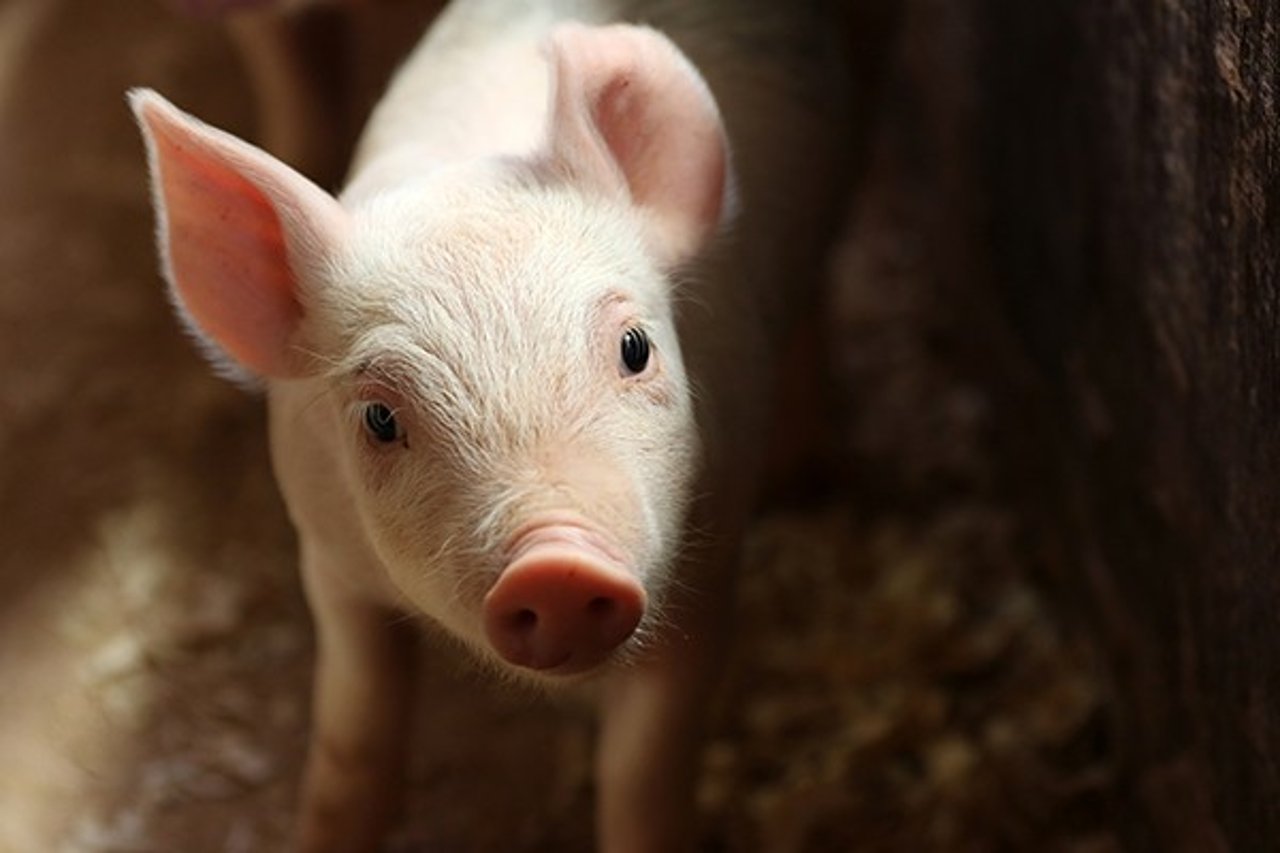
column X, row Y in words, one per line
column 626, row 185
column 257, row 291
column 563, row 604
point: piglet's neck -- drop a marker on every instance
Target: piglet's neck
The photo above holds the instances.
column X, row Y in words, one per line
column 464, row 94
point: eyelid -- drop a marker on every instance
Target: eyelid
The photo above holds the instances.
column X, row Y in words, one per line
column 360, row 404
column 616, row 313
column 373, row 385
column 616, row 307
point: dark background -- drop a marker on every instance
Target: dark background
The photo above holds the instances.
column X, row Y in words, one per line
column 1029, row 606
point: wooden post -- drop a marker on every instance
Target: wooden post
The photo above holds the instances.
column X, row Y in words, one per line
column 1130, row 164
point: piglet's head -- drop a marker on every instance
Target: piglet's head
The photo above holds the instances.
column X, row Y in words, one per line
column 488, row 349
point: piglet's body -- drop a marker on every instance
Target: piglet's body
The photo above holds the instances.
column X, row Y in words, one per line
column 520, row 370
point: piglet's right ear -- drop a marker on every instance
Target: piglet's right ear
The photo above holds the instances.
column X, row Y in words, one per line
column 238, row 232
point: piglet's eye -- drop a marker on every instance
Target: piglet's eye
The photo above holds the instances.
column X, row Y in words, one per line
column 635, row 350
column 380, row 423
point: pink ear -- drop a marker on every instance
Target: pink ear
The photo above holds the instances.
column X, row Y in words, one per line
column 235, row 228
column 631, row 114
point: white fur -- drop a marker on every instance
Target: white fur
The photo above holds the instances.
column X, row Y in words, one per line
column 480, row 289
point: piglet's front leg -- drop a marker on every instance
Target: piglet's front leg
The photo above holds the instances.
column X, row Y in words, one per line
column 653, row 717
column 355, row 763
column 647, row 760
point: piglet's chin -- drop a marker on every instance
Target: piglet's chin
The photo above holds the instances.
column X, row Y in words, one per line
column 564, row 604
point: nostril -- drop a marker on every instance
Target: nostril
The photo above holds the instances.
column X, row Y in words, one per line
column 601, row 607
column 524, row 620
column 558, row 607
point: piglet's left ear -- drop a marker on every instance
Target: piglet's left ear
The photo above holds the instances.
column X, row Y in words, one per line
column 631, row 114
column 238, row 232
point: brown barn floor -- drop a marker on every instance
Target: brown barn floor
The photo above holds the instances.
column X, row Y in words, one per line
column 898, row 684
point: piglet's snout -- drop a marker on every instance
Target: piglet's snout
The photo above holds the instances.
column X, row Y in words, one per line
column 561, row 604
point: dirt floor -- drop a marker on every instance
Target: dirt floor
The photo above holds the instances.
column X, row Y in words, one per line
column 898, row 684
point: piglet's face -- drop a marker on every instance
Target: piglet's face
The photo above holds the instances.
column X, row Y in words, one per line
column 509, row 370
column 493, row 342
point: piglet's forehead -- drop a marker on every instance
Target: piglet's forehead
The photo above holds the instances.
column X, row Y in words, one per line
column 490, row 224
column 495, row 265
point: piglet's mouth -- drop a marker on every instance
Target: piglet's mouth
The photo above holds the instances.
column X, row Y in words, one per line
column 564, row 603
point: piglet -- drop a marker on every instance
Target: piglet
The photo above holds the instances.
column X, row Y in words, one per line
column 521, row 371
